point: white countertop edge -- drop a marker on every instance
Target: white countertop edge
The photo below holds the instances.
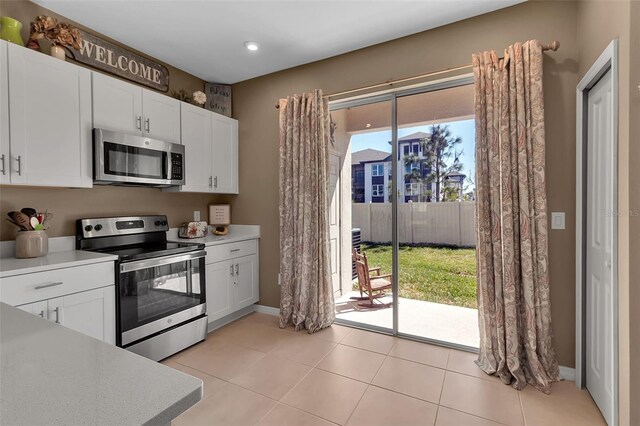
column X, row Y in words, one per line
column 11, row 266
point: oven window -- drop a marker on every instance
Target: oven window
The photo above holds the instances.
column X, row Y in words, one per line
column 150, row 294
column 124, row 160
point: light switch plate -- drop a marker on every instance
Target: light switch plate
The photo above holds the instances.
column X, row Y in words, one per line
column 196, row 215
column 557, row 220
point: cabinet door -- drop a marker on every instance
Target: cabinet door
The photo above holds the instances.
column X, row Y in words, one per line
column 219, row 295
column 196, row 138
column 161, row 116
column 225, row 154
column 246, row 288
column 49, row 120
column 4, row 115
column 89, row 312
column 37, row 308
column 116, row 105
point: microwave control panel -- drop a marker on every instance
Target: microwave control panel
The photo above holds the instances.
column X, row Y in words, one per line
column 176, row 166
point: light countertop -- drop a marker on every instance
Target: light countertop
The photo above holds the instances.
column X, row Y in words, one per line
column 236, row 233
column 52, row 375
column 10, row 266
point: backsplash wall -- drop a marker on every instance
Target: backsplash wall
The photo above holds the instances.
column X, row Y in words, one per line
column 67, row 205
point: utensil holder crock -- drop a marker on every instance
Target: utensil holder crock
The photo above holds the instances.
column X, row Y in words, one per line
column 31, row 244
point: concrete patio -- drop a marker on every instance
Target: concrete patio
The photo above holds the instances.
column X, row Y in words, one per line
column 436, row 321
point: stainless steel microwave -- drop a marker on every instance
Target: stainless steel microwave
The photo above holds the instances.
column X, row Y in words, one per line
column 123, row 159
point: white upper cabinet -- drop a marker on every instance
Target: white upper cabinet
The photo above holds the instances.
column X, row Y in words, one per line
column 4, row 115
column 117, row 105
column 49, row 120
column 196, row 138
column 211, row 151
column 128, row 108
column 225, row 154
column 161, row 116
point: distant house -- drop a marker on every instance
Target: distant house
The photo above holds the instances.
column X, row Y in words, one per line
column 414, row 186
column 371, row 173
column 456, row 181
column 370, row 176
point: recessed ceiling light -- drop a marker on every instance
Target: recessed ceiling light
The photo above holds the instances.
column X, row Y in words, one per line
column 251, row 45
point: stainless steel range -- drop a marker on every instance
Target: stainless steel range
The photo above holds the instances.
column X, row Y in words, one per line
column 160, row 285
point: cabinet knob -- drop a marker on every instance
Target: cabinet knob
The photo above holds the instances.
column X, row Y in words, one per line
column 3, row 168
column 231, row 270
column 19, row 160
column 147, row 124
column 139, row 122
column 237, row 269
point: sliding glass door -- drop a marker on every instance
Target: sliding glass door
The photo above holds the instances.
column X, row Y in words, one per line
column 410, row 158
column 363, row 131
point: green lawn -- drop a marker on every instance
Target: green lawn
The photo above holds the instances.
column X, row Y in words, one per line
column 440, row 275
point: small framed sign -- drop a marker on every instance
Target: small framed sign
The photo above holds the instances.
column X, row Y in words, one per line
column 220, row 214
column 218, row 98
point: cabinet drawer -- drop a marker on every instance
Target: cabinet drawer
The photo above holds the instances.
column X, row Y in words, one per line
column 227, row 251
column 28, row 288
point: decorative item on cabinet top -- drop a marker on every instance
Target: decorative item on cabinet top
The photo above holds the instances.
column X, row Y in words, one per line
column 96, row 52
column 10, row 30
column 218, row 98
column 62, row 35
column 198, row 97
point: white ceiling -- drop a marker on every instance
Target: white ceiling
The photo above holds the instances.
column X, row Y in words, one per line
column 206, row 37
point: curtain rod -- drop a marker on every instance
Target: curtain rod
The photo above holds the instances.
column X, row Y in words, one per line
column 555, row 45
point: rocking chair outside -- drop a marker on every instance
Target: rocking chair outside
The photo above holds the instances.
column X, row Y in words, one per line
column 371, row 285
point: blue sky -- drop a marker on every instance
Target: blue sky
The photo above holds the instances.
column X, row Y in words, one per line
column 465, row 129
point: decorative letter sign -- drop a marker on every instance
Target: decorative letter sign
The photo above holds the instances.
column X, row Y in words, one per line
column 113, row 59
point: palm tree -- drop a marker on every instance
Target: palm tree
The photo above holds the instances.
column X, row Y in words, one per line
column 439, row 149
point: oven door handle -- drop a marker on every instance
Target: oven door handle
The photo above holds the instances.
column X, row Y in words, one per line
column 161, row 261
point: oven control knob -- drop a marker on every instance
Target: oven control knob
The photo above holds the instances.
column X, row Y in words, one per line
column 98, row 227
column 163, row 223
column 88, row 228
column 157, row 223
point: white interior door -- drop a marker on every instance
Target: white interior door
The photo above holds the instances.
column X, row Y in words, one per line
column 334, row 219
column 600, row 321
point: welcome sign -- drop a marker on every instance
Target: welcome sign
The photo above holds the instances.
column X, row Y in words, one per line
column 106, row 56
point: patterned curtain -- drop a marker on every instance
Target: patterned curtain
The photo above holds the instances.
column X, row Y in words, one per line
column 516, row 340
column 306, row 292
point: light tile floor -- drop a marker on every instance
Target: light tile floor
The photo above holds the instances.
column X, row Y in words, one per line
column 256, row 373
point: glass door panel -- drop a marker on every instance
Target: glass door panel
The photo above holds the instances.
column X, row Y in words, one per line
column 362, row 137
column 435, row 214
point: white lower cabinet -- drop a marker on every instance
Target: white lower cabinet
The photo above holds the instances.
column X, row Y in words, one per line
column 89, row 312
column 232, row 279
column 219, row 277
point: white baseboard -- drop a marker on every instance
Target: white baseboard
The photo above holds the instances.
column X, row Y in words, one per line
column 266, row 310
column 568, row 373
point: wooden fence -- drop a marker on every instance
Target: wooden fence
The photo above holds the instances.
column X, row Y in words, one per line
column 446, row 223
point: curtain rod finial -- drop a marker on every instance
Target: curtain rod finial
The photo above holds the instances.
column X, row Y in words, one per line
column 555, row 45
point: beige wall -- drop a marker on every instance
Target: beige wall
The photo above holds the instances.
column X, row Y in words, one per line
column 634, row 221
column 433, row 50
column 599, row 22
column 25, row 11
column 70, row 204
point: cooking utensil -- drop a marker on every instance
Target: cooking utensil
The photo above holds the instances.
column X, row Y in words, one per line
column 11, row 221
column 29, row 211
column 22, row 220
column 46, row 216
column 34, row 222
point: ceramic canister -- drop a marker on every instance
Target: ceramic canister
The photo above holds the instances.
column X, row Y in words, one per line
column 31, row 244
